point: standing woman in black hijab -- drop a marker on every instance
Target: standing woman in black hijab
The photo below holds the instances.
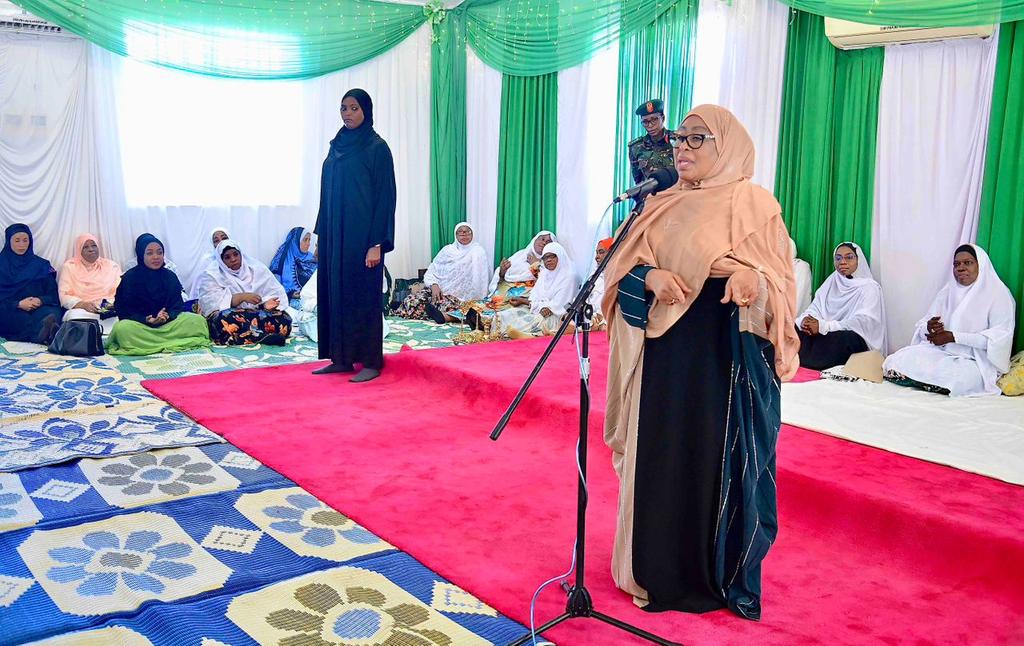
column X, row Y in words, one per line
column 356, row 227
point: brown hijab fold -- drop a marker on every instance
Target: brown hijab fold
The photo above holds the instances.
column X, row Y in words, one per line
column 717, row 227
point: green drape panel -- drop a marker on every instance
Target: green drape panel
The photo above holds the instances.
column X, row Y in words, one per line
column 655, row 62
column 447, row 128
column 826, row 165
column 533, row 37
column 1001, row 220
column 258, row 39
column 527, row 158
column 857, row 83
column 915, row 13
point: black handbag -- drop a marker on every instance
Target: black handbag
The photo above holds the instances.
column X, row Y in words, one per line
column 79, row 338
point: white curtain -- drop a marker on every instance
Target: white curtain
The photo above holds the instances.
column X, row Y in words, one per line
column 483, row 120
column 56, row 111
column 63, row 138
column 933, row 113
column 586, row 116
column 741, row 55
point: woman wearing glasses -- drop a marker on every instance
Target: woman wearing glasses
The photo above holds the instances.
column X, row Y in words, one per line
column 700, row 304
column 847, row 315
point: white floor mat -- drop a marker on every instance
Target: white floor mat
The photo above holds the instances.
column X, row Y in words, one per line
column 978, row 434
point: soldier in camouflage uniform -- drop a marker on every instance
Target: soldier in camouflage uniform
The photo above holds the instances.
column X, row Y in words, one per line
column 651, row 151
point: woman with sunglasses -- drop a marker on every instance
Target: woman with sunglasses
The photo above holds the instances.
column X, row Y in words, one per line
column 847, row 314
column 700, row 304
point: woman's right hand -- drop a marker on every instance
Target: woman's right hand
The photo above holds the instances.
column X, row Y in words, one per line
column 29, row 304
column 667, row 287
column 503, row 267
column 435, row 292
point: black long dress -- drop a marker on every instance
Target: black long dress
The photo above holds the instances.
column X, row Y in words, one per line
column 357, row 212
column 19, row 325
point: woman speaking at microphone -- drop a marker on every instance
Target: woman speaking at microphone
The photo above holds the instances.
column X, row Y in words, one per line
column 700, row 302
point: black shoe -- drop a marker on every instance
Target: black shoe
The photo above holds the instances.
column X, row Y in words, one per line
column 48, row 330
column 366, row 374
column 473, row 320
column 332, row 368
column 436, row 315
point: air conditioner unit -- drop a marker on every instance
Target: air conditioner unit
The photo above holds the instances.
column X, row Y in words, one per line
column 853, row 35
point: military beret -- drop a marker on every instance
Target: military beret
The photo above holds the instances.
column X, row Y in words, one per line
column 650, row 107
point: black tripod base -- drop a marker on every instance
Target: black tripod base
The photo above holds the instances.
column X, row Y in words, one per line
column 580, row 606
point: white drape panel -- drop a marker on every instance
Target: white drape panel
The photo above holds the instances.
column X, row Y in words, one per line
column 61, row 149
column 483, row 121
column 586, row 106
column 741, row 55
column 933, row 114
column 55, row 115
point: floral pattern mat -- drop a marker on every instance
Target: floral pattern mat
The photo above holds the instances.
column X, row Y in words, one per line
column 183, row 539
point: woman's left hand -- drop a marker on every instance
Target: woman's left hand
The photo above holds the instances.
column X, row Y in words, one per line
column 272, row 304
column 545, row 312
column 373, row 257
column 741, row 288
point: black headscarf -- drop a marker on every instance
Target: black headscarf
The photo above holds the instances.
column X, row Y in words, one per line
column 969, row 249
column 143, row 291
column 16, row 271
column 365, row 104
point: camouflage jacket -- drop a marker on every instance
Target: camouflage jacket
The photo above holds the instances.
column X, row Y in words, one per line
column 646, row 156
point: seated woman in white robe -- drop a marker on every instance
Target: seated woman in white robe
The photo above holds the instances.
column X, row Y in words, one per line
column 847, row 314
column 522, row 266
column 242, row 301
column 88, row 283
column 804, row 279
column 208, row 261
column 962, row 344
column 541, row 313
column 459, row 273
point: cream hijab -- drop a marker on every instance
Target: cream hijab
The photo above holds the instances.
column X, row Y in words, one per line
column 720, row 225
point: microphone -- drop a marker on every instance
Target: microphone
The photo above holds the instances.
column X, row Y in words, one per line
column 658, row 181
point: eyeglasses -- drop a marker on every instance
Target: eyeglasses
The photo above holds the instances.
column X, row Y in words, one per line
column 650, row 121
column 850, row 257
column 694, row 141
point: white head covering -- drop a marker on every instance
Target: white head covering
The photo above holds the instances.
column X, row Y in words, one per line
column 985, row 307
column 555, row 288
column 460, row 269
column 519, row 269
column 219, row 283
column 855, row 302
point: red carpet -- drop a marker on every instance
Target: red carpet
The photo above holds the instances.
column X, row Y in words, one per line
column 873, row 547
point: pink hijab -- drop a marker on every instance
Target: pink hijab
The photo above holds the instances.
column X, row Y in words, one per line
column 89, row 282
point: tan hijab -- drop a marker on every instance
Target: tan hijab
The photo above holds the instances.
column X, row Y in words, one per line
column 717, row 227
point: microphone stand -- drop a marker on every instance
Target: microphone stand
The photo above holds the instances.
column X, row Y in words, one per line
column 579, row 603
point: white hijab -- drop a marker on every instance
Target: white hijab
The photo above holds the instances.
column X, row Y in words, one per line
column 520, row 262
column 855, row 302
column 984, row 307
column 208, row 261
column 460, row 269
column 555, row 288
column 219, row 283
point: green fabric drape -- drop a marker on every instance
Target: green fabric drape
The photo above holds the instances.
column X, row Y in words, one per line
column 1001, row 220
column 915, row 13
column 655, row 62
column 447, row 128
column 257, row 39
column 826, row 165
column 527, row 157
column 534, row 37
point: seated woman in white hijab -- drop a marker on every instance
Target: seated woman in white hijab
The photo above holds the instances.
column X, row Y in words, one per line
column 847, row 315
column 209, row 259
column 521, row 268
column 962, row 344
column 542, row 312
column 88, row 283
column 458, row 273
column 804, row 279
column 242, row 301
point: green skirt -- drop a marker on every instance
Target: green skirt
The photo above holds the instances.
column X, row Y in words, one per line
column 186, row 332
